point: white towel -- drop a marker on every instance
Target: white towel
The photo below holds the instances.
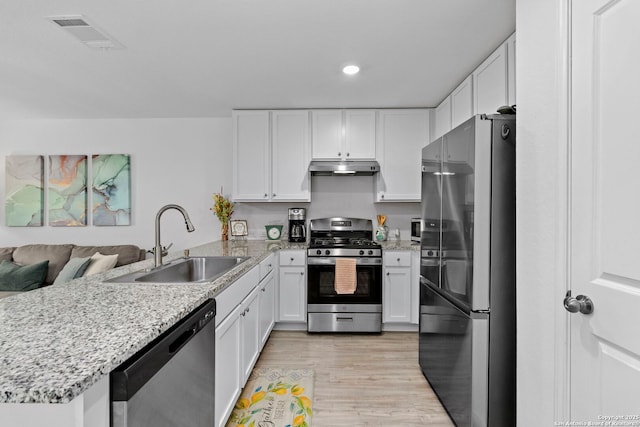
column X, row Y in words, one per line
column 345, row 276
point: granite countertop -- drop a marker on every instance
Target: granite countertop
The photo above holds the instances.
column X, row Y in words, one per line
column 399, row 245
column 57, row 341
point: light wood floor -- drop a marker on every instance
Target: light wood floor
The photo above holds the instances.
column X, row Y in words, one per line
column 360, row 380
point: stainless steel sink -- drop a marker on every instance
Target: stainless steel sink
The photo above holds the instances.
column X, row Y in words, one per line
column 185, row 270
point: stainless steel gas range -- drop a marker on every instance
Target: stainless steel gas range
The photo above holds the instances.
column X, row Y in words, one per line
column 329, row 307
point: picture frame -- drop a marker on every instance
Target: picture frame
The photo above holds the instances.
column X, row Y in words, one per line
column 239, row 227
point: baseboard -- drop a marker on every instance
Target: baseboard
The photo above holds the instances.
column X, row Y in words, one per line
column 399, row 327
column 290, row 326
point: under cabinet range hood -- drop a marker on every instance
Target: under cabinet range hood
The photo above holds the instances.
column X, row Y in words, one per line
column 344, row 167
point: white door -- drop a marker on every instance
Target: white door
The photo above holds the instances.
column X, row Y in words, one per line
column 605, row 211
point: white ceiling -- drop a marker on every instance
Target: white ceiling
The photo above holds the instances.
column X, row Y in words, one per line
column 202, row 58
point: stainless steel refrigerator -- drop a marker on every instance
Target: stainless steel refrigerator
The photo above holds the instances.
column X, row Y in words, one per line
column 467, row 347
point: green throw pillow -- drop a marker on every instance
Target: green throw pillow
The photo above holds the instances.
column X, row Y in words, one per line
column 14, row 277
column 73, row 269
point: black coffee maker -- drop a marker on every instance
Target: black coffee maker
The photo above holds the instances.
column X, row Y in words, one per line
column 297, row 227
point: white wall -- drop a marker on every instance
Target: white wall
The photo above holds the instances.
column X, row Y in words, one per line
column 541, row 212
column 351, row 196
column 181, row 161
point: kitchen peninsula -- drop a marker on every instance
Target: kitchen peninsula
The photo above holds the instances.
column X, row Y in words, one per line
column 58, row 344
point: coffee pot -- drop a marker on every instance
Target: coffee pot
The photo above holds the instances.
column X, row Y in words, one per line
column 297, row 228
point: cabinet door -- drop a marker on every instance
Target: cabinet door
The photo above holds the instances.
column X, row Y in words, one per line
column 360, row 134
column 251, row 156
column 267, row 307
column 442, row 123
column 401, row 136
column 326, row 139
column 462, row 102
column 511, row 68
column 228, row 369
column 250, row 318
column 490, row 83
column 291, row 147
column 292, row 295
column 396, row 303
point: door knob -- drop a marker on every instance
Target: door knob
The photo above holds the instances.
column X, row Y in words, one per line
column 581, row 303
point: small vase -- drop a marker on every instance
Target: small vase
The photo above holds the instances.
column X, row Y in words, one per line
column 381, row 233
column 225, row 232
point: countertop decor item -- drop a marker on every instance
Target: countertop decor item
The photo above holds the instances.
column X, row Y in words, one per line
column 274, row 232
column 239, row 227
column 382, row 230
column 223, row 208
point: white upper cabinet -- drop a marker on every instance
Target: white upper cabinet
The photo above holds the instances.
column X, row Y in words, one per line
column 360, row 134
column 271, row 154
column 291, row 155
column 343, row 134
column 401, row 136
column 251, row 155
column 442, row 120
column 462, row 102
column 326, row 134
column 490, row 86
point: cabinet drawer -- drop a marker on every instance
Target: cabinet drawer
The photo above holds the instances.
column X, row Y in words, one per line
column 293, row 258
column 233, row 295
column 397, row 259
column 266, row 266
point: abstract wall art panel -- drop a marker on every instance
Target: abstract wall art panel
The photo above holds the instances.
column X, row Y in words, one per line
column 67, row 194
column 111, row 189
column 24, row 191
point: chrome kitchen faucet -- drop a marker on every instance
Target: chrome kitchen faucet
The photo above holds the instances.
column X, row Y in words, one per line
column 158, row 250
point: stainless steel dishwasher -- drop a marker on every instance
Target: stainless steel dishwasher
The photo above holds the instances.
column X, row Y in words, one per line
column 170, row 382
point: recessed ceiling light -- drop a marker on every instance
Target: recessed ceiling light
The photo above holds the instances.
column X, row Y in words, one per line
column 350, row 70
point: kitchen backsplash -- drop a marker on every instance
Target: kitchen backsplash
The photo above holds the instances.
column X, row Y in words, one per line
column 332, row 196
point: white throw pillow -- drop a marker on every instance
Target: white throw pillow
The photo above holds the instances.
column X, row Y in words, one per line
column 100, row 263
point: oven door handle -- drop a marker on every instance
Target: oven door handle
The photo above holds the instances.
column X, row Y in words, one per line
column 332, row 261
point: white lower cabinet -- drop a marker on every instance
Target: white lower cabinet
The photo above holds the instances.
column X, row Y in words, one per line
column 228, row 365
column 267, row 310
column 250, row 331
column 292, row 286
column 247, row 308
column 400, row 291
column 396, row 302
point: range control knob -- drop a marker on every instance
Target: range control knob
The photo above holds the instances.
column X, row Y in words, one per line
column 361, row 252
column 429, row 253
column 327, row 252
column 370, row 252
column 318, row 252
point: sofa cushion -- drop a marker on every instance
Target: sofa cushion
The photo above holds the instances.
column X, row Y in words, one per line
column 6, row 254
column 127, row 254
column 58, row 255
column 14, row 277
column 72, row 270
column 100, row 263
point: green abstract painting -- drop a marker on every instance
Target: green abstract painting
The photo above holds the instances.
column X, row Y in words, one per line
column 67, row 192
column 111, row 189
column 24, row 191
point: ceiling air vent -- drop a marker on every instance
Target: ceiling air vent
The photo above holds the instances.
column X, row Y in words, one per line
column 86, row 31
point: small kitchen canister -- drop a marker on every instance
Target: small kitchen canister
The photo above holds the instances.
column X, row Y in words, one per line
column 382, row 231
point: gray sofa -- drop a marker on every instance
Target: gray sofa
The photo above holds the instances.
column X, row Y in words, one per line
column 59, row 254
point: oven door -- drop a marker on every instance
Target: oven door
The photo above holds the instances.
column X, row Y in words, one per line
column 321, row 282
